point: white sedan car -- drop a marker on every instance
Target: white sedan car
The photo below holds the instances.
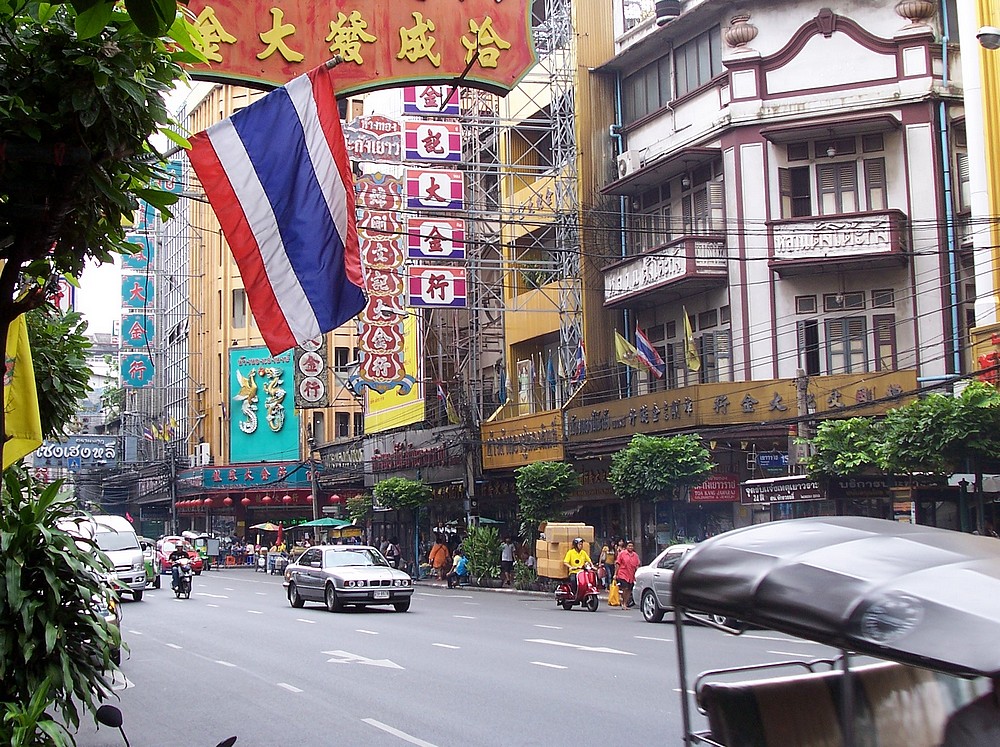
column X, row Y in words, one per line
column 339, row 575
column 652, row 586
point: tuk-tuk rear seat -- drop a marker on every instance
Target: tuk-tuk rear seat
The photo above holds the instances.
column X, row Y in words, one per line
column 895, row 706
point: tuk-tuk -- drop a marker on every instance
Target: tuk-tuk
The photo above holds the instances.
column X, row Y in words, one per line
column 923, row 601
column 148, row 547
column 206, row 545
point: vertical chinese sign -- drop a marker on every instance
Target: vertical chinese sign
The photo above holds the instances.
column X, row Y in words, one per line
column 138, row 285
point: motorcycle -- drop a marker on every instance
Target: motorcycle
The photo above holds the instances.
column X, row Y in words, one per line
column 586, row 590
column 182, row 586
column 108, row 715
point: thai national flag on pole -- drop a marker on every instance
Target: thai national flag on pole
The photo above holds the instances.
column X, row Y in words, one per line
column 279, row 179
column 579, row 374
column 648, row 355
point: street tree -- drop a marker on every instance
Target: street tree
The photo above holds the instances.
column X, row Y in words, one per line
column 59, row 350
column 359, row 508
column 843, row 448
column 400, row 494
column 542, row 488
column 655, row 468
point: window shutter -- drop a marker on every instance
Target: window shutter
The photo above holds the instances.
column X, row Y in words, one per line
column 785, row 190
column 875, row 183
column 724, row 354
column 964, row 193
column 885, row 342
column 716, row 206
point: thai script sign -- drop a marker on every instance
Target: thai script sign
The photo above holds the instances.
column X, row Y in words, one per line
column 718, row 488
column 780, row 490
column 374, row 138
column 518, row 441
column 435, row 455
column 835, row 238
column 485, row 43
column 77, row 452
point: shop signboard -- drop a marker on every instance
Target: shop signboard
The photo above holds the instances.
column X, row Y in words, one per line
column 277, row 475
column 263, row 424
column 722, row 487
column 793, row 489
column 773, row 463
column 517, row 441
column 435, row 455
column 82, row 451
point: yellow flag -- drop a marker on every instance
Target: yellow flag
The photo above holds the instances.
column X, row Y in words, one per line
column 625, row 352
column 690, row 349
column 22, row 422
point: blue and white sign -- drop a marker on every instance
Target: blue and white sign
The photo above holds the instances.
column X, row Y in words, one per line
column 773, row 462
column 141, row 259
column 78, row 452
column 137, row 331
column 171, row 181
column 138, row 292
column 137, row 370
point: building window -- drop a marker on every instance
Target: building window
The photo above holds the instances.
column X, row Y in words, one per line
column 698, row 61
column 708, row 319
column 883, row 299
column 341, row 359
column 962, row 179
column 359, row 424
column 837, row 187
column 715, row 350
column 239, row 308
column 342, row 422
column 875, row 187
column 885, row 342
column 805, row 304
column 797, row 151
column 873, row 143
column 809, row 358
column 846, row 348
column 796, row 197
column 646, row 91
column 319, row 428
column 844, row 301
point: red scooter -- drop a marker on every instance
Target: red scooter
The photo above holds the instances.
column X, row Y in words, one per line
column 586, row 591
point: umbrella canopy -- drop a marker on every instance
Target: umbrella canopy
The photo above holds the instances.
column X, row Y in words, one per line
column 326, row 521
column 915, row 594
column 267, row 526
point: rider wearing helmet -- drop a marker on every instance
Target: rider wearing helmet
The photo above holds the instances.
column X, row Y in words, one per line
column 576, row 558
column 179, row 553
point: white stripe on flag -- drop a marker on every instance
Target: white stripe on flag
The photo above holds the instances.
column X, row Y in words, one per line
column 300, row 91
column 264, row 226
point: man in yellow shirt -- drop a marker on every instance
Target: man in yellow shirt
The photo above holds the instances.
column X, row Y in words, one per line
column 576, row 558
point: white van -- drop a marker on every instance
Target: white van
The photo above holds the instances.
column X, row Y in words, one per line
column 116, row 537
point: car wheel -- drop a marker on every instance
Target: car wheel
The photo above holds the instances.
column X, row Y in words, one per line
column 592, row 603
column 401, row 606
column 651, row 611
column 332, row 603
column 293, row 597
column 137, row 596
column 567, row 606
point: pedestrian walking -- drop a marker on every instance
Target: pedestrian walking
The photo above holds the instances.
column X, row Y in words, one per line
column 393, row 553
column 626, row 564
column 607, row 560
column 507, row 551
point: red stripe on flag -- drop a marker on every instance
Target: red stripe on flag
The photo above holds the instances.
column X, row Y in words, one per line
column 329, row 119
column 270, row 318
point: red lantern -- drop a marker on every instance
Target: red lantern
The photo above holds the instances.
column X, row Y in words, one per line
column 246, row 501
column 266, row 500
column 334, row 499
column 286, row 499
column 196, row 502
column 208, row 502
column 227, row 501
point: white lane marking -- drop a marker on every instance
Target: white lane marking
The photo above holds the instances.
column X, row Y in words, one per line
column 224, row 663
column 653, row 638
column 228, row 589
column 450, row 596
column 677, row 690
column 780, row 640
column 397, row 733
column 594, row 649
column 345, row 657
column 288, row 687
column 472, row 604
column 786, row 653
column 135, row 632
column 549, row 627
column 446, row 645
column 255, row 612
column 464, row 617
column 212, row 605
column 303, row 620
column 367, row 632
column 123, row 684
column 211, row 596
column 546, row 664
column 174, row 645
column 261, row 593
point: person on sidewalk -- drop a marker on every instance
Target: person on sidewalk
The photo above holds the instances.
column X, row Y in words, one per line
column 439, row 558
column 460, row 571
column 626, row 564
column 507, row 551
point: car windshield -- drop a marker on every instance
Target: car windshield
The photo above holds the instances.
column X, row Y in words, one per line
column 110, row 541
column 359, row 556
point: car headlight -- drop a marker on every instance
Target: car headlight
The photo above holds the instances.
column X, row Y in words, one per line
column 138, row 566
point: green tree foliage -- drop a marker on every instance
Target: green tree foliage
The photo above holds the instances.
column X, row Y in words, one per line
column 542, row 491
column 652, row 468
column 400, row 493
column 53, row 641
column 59, row 357
column 482, row 549
column 943, row 434
column 359, row 508
column 845, row 447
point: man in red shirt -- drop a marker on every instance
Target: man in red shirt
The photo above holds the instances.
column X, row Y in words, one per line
column 626, row 564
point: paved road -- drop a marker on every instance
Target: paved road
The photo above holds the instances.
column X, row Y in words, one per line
column 463, row 667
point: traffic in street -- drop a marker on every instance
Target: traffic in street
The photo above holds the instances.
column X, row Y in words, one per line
column 461, row 667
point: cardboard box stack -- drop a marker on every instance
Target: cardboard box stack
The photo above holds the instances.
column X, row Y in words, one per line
column 556, row 542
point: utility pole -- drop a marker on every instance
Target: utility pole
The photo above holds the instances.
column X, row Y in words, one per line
column 173, row 493
column 797, row 451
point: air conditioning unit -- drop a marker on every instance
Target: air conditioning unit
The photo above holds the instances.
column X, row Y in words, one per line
column 203, row 454
column 629, row 162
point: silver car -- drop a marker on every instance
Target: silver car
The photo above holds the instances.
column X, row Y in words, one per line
column 652, row 583
column 339, row 575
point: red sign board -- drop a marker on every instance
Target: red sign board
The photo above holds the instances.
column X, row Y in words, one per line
column 722, row 488
column 383, row 44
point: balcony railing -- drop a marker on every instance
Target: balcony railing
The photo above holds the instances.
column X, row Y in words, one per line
column 862, row 239
column 686, row 265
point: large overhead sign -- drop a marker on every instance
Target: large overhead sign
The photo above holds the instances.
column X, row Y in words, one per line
column 383, row 44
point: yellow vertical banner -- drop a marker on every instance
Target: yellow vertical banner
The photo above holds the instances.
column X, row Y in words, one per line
column 396, row 408
column 22, row 422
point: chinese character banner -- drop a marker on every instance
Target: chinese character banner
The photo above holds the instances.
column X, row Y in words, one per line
column 262, row 421
column 429, row 101
column 383, row 44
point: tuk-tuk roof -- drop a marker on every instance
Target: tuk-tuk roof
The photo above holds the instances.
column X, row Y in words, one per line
column 915, row 594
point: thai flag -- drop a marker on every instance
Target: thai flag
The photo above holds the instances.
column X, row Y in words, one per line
column 579, row 374
column 648, row 355
column 279, row 179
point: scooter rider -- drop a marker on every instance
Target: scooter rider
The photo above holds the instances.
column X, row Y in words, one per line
column 179, row 553
column 576, row 559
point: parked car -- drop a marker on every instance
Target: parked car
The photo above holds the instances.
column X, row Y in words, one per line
column 166, row 546
column 653, row 584
column 340, row 575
